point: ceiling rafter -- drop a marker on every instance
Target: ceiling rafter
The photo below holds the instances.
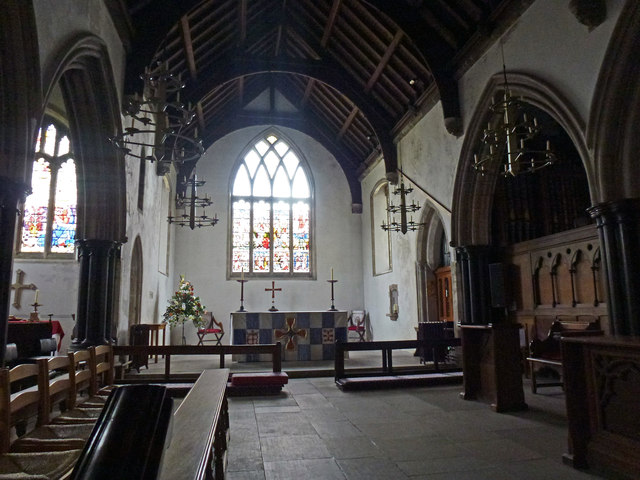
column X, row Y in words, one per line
column 188, row 46
column 397, row 38
column 331, row 20
column 242, row 21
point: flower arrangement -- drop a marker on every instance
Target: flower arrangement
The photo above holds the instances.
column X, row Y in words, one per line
column 184, row 306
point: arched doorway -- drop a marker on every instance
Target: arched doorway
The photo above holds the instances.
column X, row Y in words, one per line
column 135, row 284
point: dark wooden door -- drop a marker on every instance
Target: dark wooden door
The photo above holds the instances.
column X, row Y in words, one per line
column 445, row 299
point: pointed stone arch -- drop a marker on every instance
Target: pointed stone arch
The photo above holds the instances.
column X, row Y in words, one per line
column 473, row 193
column 612, row 133
column 428, row 252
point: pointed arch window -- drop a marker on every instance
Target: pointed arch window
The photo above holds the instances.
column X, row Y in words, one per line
column 271, row 211
column 48, row 225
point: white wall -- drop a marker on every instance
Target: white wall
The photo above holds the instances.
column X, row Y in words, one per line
column 201, row 254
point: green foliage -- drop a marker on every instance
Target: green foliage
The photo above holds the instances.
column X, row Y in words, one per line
column 184, row 306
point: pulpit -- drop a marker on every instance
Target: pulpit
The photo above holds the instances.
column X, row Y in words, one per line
column 27, row 335
column 303, row 335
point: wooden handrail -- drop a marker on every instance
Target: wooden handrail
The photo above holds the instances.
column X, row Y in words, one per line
column 168, row 350
column 387, row 347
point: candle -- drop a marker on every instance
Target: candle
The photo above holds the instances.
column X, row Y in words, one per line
column 331, row 273
column 37, row 293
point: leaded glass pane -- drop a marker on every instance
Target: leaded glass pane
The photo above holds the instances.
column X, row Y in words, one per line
column 291, row 162
column 240, row 236
column 261, row 184
column 64, row 146
column 261, row 236
column 281, row 184
column 301, row 237
column 281, row 148
column 281, row 237
column 272, row 161
column 242, row 184
column 34, row 225
column 272, row 138
column 300, row 185
column 50, row 141
column 262, row 147
column 63, row 230
column 252, row 160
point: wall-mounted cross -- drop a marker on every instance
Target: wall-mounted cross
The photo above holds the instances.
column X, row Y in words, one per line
column 19, row 286
column 273, row 291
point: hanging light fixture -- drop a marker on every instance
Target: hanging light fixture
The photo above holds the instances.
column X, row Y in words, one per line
column 189, row 203
column 403, row 209
column 504, row 143
column 159, row 128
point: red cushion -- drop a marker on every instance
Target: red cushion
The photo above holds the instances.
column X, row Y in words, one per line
column 270, row 378
column 209, row 330
column 355, row 327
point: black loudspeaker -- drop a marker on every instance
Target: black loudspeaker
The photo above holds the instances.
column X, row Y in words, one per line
column 498, row 285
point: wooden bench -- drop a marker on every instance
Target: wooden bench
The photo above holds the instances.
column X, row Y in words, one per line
column 547, row 352
column 387, row 376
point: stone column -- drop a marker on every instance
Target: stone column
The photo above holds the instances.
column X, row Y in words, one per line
column 474, row 275
column 619, row 230
column 95, row 292
column 11, row 193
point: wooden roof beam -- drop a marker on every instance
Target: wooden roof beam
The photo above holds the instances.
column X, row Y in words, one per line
column 188, row 46
column 307, row 92
column 333, row 14
column 347, row 123
column 397, row 38
column 242, row 21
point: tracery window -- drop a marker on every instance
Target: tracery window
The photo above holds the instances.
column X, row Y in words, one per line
column 271, row 211
column 49, row 213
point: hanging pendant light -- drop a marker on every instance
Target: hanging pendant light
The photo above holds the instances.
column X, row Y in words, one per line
column 402, row 209
column 505, row 143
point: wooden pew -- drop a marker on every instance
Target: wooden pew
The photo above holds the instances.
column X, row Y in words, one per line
column 200, row 428
column 546, row 352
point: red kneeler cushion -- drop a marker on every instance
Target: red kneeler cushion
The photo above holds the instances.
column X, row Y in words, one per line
column 258, row 379
column 209, row 330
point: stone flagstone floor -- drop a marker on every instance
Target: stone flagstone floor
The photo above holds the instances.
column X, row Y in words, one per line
column 313, row 430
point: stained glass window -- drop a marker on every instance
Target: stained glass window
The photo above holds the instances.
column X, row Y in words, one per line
column 271, row 210
column 49, row 213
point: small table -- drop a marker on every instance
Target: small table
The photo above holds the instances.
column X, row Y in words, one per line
column 154, row 334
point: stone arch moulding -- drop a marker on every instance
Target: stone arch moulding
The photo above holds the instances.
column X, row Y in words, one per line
column 612, row 133
column 83, row 70
column 473, row 193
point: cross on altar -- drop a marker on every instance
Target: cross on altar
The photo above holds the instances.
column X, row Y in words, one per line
column 290, row 333
column 19, row 286
column 273, row 291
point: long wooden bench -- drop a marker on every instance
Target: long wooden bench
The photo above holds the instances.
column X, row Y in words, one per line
column 547, row 352
column 387, row 375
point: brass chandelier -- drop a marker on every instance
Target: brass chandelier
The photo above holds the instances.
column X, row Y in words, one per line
column 190, row 203
column 403, row 209
column 504, row 144
column 159, row 126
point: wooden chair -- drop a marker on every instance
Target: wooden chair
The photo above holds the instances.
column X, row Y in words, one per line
column 213, row 327
column 357, row 323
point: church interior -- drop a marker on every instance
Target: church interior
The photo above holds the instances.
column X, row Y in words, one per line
column 333, row 175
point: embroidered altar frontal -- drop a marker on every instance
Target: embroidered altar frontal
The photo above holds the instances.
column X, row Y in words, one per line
column 303, row 335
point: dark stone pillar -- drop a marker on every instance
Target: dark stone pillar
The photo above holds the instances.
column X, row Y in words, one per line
column 619, row 229
column 94, row 292
column 114, row 257
column 476, row 295
column 11, row 193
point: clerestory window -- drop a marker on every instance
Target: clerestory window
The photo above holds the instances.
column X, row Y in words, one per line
column 48, row 225
column 271, row 211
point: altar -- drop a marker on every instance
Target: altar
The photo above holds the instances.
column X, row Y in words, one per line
column 303, row 335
